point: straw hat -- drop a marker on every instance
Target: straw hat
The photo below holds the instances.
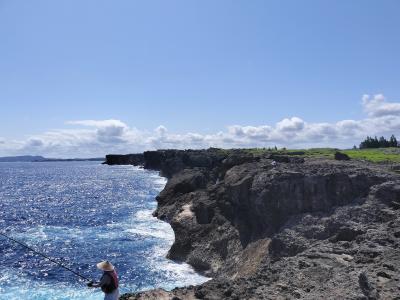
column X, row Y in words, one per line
column 105, row 266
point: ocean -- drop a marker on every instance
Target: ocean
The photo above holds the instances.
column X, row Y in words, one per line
column 81, row 213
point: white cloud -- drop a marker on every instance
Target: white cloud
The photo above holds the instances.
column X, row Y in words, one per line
column 291, row 124
column 161, row 130
column 34, row 142
column 99, row 123
column 377, row 106
column 107, row 131
column 97, row 137
column 251, row 132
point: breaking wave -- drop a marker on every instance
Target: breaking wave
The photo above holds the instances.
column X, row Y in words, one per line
column 81, row 213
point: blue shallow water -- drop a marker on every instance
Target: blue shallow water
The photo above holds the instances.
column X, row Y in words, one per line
column 81, row 213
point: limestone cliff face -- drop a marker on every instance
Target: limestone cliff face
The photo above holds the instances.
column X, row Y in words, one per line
column 280, row 227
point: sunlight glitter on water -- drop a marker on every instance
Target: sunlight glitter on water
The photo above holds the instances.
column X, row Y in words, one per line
column 80, row 214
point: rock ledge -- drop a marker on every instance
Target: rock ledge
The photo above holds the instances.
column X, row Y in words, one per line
column 279, row 227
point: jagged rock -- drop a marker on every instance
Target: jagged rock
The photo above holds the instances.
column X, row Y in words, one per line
column 310, row 230
column 170, row 162
column 286, row 158
column 341, row 156
column 347, row 234
column 128, row 159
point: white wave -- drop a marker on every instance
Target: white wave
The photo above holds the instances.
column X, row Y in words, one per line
column 17, row 286
column 183, row 273
column 144, row 215
column 43, row 233
column 150, row 232
column 159, row 180
column 144, row 224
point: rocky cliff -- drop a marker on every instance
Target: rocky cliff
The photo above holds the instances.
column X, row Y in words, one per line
column 280, row 227
column 128, row 159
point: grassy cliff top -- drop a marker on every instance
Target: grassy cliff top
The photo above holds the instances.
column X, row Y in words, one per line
column 373, row 155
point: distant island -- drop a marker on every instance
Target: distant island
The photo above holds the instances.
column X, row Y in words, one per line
column 37, row 158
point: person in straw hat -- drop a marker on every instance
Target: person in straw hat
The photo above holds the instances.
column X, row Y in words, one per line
column 108, row 282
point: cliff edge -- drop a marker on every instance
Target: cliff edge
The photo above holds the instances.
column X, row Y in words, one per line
column 268, row 226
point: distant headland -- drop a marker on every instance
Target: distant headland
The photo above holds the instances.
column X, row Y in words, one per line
column 38, row 158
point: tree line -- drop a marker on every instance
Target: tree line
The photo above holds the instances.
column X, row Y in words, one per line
column 375, row 142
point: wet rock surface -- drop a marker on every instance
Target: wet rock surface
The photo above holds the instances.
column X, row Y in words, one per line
column 280, row 227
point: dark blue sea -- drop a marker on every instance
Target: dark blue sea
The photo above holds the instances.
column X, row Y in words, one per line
column 81, row 213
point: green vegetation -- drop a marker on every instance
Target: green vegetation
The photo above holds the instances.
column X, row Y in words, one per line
column 313, row 152
column 373, row 155
column 382, row 142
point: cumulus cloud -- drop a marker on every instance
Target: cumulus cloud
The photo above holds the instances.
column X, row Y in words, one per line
column 34, row 142
column 251, row 132
column 89, row 138
column 290, row 124
column 161, row 130
column 377, row 106
column 107, row 131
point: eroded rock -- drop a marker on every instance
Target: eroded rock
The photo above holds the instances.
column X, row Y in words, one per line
column 291, row 229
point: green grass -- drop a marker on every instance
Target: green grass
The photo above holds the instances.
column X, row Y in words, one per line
column 313, row 152
column 373, row 155
column 321, row 152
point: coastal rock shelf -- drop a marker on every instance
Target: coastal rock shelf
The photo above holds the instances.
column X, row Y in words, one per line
column 270, row 226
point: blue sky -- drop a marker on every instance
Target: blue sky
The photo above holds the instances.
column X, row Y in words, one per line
column 92, row 77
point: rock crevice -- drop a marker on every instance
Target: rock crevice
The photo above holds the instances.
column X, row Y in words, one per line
column 269, row 227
